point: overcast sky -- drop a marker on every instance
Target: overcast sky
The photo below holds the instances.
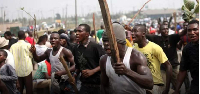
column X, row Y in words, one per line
column 46, row 8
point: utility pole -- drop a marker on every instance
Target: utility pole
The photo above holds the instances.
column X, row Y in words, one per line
column 66, row 18
column 75, row 13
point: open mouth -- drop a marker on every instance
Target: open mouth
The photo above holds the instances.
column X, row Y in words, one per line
column 193, row 37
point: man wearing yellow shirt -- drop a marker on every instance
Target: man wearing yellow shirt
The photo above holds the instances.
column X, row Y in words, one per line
column 155, row 57
column 23, row 63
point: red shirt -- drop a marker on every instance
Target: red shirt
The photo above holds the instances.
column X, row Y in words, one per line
column 48, row 67
column 30, row 40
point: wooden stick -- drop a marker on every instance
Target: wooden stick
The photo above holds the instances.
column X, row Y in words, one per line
column 175, row 24
column 34, row 28
column 138, row 12
column 68, row 74
column 109, row 29
column 94, row 28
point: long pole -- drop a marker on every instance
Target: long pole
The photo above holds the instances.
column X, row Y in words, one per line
column 175, row 24
column 94, row 27
column 75, row 13
column 109, row 30
column 68, row 74
column 138, row 12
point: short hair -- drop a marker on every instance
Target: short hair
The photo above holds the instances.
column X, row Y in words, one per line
column 193, row 22
column 102, row 26
column 72, row 37
column 141, row 25
column 87, row 27
column 8, row 33
column 41, row 39
column 45, row 36
column 54, row 32
column 92, row 33
column 4, row 52
column 21, row 34
column 61, row 31
column 162, row 25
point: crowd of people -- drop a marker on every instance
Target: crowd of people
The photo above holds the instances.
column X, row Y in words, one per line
column 148, row 63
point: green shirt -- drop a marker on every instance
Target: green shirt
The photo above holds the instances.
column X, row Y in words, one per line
column 99, row 33
column 40, row 72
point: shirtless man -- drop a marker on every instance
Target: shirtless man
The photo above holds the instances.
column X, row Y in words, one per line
column 135, row 76
column 54, row 54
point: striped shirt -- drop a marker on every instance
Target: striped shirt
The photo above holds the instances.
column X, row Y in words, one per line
column 22, row 57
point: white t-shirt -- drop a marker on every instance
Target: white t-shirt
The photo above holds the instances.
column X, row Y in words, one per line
column 10, row 59
column 40, row 49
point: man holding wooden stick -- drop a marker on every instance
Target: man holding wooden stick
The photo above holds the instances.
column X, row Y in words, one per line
column 134, row 77
column 56, row 66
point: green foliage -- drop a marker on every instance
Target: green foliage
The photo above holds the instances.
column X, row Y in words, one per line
column 189, row 10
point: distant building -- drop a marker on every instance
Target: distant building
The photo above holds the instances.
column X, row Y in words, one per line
column 157, row 13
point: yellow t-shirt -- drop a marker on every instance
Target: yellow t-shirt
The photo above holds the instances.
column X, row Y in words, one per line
column 128, row 44
column 155, row 57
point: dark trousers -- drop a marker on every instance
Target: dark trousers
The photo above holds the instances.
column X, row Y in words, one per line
column 27, row 82
column 86, row 89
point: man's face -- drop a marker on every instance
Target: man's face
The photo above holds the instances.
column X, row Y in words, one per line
column 164, row 30
column 165, row 23
column 137, row 34
column 106, row 45
column 193, row 32
column 81, row 34
column 7, row 37
column 2, row 57
column 185, row 25
column 63, row 42
column 55, row 39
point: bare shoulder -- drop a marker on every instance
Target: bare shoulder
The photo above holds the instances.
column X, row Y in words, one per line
column 48, row 51
column 66, row 51
column 102, row 61
column 137, row 57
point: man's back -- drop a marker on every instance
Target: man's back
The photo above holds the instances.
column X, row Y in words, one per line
column 22, row 58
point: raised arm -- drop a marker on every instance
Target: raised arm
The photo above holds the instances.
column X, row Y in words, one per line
column 184, row 32
column 39, row 58
column 104, row 78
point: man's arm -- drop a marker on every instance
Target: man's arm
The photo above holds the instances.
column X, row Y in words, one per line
column 179, row 45
column 11, row 74
column 179, row 81
column 39, row 58
column 47, row 76
column 70, row 58
column 68, row 54
column 87, row 73
column 104, row 78
column 184, row 66
column 141, row 74
column 184, row 32
column 3, row 88
column 168, row 76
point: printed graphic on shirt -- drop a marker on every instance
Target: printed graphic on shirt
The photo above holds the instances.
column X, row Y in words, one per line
column 82, row 61
column 149, row 62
